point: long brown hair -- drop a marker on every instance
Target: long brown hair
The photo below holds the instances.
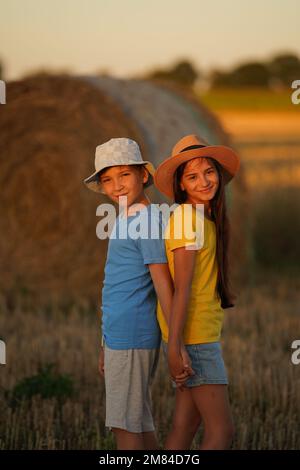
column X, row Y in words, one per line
column 219, row 216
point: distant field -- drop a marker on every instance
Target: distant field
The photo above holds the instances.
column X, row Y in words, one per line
column 255, row 114
column 249, row 99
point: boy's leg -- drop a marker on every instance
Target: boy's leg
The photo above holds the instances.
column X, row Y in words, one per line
column 150, row 441
column 128, row 375
column 186, row 421
column 128, row 440
column 134, row 440
column 150, row 438
column 212, row 402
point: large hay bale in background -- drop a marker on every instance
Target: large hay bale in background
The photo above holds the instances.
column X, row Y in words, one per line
column 49, row 129
column 164, row 113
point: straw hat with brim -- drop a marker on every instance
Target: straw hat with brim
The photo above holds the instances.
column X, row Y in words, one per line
column 115, row 152
column 186, row 149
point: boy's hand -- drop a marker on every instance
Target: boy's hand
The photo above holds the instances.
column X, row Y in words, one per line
column 101, row 362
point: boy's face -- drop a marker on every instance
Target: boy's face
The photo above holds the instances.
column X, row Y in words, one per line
column 124, row 180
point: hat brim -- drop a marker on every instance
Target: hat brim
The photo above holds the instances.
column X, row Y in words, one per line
column 228, row 159
column 92, row 181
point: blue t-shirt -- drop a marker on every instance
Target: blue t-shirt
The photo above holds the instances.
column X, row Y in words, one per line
column 128, row 297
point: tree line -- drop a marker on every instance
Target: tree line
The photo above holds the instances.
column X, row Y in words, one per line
column 280, row 71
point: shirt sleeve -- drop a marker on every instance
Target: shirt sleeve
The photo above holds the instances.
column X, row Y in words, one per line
column 152, row 243
column 185, row 228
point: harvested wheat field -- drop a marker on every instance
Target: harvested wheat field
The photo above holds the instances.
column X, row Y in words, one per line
column 264, row 385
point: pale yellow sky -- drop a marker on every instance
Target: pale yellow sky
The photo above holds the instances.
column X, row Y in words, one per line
column 127, row 37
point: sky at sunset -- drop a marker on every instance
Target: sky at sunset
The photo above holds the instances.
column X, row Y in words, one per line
column 129, row 37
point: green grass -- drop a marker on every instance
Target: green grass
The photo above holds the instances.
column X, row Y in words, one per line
column 249, row 99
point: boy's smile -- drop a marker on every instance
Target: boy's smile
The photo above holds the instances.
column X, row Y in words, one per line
column 125, row 180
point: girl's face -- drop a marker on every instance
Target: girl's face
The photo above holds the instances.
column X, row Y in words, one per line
column 200, row 180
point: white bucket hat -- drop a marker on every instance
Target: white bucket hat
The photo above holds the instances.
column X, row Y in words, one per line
column 120, row 151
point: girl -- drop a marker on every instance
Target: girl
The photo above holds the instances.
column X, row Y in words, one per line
column 196, row 173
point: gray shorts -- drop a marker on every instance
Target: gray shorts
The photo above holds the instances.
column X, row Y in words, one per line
column 128, row 375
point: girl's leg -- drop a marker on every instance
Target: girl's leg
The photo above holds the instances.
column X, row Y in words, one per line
column 213, row 404
column 186, row 421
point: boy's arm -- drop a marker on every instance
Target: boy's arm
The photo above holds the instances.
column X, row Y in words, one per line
column 101, row 352
column 163, row 286
column 101, row 361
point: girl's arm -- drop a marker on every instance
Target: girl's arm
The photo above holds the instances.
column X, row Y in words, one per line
column 184, row 264
column 164, row 288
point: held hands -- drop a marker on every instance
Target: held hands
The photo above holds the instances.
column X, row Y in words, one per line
column 179, row 364
column 101, row 362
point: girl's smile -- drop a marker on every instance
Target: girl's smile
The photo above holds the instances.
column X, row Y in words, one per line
column 205, row 190
column 200, row 181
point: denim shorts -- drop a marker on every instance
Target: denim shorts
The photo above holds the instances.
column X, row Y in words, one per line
column 207, row 363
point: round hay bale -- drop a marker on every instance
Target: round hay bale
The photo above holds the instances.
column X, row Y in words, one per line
column 49, row 129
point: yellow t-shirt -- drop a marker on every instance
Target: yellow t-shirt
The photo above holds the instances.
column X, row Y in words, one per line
column 205, row 314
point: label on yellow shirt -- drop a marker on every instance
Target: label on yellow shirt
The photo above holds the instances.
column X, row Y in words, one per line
column 187, row 227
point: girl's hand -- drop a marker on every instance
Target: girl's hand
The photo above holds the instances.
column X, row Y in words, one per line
column 101, row 362
column 187, row 364
column 177, row 370
column 175, row 362
column 187, row 368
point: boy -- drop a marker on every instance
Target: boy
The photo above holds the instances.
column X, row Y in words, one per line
column 136, row 270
